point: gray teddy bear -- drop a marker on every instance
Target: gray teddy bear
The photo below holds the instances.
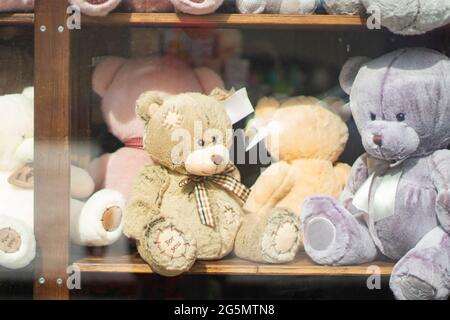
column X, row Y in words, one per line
column 406, row 17
column 397, row 200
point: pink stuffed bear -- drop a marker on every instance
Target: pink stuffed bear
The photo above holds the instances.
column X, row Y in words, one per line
column 119, row 82
column 103, row 7
column 16, row 5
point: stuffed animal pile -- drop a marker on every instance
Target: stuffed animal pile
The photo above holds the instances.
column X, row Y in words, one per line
column 102, row 8
column 189, row 205
column 397, row 201
column 307, row 139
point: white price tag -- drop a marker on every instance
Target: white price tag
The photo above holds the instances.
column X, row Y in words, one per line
column 238, row 106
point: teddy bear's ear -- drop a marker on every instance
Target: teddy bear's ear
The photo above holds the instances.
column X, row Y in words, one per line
column 265, row 109
column 104, row 74
column 148, row 103
column 350, row 71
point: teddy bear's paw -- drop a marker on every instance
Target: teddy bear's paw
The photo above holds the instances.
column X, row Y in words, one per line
column 332, row 236
column 251, row 6
column 282, row 236
column 423, row 274
column 413, row 288
column 168, row 249
column 17, row 244
column 98, row 222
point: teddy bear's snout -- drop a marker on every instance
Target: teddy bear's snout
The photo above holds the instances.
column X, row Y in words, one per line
column 217, row 159
column 378, row 139
column 390, row 140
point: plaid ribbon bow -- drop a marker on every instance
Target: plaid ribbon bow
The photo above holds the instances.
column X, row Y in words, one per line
column 224, row 180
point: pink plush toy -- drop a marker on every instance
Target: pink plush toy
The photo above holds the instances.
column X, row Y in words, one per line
column 103, row 7
column 16, row 5
column 198, row 7
column 119, row 82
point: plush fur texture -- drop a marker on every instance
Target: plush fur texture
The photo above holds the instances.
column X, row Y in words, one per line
column 163, row 216
column 147, row 5
column 197, row 7
column 348, row 7
column 16, row 5
column 409, row 17
column 277, row 6
column 401, row 104
column 94, row 8
column 406, row 17
column 306, row 166
column 102, row 8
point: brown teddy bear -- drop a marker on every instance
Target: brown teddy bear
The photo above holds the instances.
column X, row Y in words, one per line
column 307, row 137
column 189, row 205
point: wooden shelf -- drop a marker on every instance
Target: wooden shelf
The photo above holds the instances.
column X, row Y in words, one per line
column 302, row 266
column 224, row 20
column 12, row 19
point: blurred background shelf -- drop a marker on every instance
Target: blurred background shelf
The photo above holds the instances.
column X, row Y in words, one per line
column 225, row 20
column 16, row 19
column 302, row 266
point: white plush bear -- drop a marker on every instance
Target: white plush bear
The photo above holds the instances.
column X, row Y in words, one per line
column 92, row 223
column 277, row 6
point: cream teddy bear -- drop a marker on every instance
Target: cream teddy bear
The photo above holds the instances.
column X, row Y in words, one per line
column 307, row 138
column 189, row 205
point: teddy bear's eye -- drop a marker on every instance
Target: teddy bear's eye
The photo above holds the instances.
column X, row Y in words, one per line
column 214, row 139
column 201, row 142
column 373, row 116
column 400, row 117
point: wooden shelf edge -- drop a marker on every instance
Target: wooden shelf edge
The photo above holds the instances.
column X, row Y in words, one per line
column 11, row 19
column 302, row 266
column 224, row 20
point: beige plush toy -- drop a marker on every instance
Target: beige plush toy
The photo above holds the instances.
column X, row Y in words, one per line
column 189, row 205
column 307, row 137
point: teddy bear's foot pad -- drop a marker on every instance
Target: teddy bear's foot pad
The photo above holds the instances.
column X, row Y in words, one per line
column 17, row 243
column 167, row 248
column 10, row 240
column 281, row 237
column 422, row 274
column 414, row 288
column 332, row 236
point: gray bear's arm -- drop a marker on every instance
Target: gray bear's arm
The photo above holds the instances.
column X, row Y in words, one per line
column 440, row 173
column 145, row 199
column 358, row 176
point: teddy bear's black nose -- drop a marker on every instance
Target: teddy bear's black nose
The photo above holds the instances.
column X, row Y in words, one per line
column 216, row 159
column 378, row 139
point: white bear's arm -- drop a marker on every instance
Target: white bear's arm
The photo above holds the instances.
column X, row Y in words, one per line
column 440, row 173
column 358, row 176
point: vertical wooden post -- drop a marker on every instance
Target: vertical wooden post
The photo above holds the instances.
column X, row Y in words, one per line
column 52, row 167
